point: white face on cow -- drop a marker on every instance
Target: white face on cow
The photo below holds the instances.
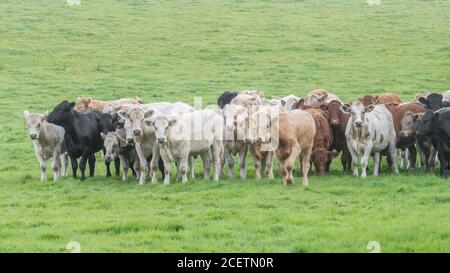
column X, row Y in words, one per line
column 235, row 120
column 357, row 110
column 259, row 127
column 134, row 123
column 111, row 144
column 34, row 122
column 161, row 127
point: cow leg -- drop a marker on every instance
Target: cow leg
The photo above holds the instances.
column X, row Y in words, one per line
column 263, row 165
column 206, row 164
column 167, row 168
column 216, row 150
column 137, row 168
column 284, row 172
column 64, row 163
column 92, row 165
column 125, row 167
column 241, row 162
column 432, row 159
column 354, row 156
column 257, row 163
column 412, row 157
column 74, row 164
column 376, row 163
column 403, row 160
column 43, row 166
column 191, row 167
column 393, row 155
column 365, row 159
column 270, row 165
column 182, row 167
column 84, row 158
column 230, row 162
column 117, row 166
column 56, row 166
column 306, row 163
column 108, row 170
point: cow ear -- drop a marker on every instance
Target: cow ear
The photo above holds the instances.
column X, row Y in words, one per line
column 149, row 113
column 123, row 114
column 26, row 114
column 44, row 116
column 148, row 122
column 283, row 103
column 299, row 104
column 172, row 122
column 72, row 104
column 424, row 102
column 346, row 108
column 333, row 154
column 417, row 116
column 323, row 97
column 369, row 108
column 436, row 116
column 102, row 135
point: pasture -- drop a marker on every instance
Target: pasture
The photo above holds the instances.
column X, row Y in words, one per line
column 180, row 49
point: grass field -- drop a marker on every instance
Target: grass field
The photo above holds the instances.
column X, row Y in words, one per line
column 181, row 49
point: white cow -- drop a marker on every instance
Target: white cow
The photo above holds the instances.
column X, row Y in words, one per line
column 48, row 141
column 143, row 136
column 288, row 102
column 235, row 117
column 370, row 130
column 190, row 134
column 319, row 96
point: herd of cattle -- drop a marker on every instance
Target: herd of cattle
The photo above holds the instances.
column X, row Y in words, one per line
column 147, row 137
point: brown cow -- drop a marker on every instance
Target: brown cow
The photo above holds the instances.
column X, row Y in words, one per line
column 384, row 98
column 321, row 154
column 398, row 111
column 296, row 135
column 338, row 120
column 84, row 104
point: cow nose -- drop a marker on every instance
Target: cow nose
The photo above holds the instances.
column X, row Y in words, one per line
column 33, row 136
column 136, row 132
column 259, row 139
column 358, row 124
column 334, row 122
column 161, row 139
column 130, row 140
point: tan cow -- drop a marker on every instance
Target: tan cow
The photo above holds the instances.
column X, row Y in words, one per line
column 84, row 104
column 385, row 98
column 296, row 135
column 319, row 96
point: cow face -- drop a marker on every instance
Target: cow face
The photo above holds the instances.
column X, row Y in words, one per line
column 107, row 122
column 82, row 104
column 357, row 111
column 410, row 121
column 260, row 126
column 34, row 122
column 432, row 102
column 161, row 126
column 61, row 113
column 426, row 124
column 322, row 158
column 368, row 100
column 313, row 100
column 112, row 143
column 334, row 107
column 134, row 123
column 235, row 119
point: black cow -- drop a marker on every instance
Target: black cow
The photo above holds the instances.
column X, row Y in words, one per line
column 436, row 126
column 82, row 134
column 434, row 102
column 226, row 98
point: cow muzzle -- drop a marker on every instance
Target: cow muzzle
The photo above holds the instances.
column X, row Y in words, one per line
column 358, row 124
column 161, row 140
column 136, row 132
column 130, row 141
column 33, row 136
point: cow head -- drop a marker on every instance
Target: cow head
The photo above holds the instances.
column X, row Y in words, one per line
column 235, row 121
column 334, row 108
column 112, row 144
column 133, row 123
column 321, row 158
column 427, row 123
column 410, row 121
column 261, row 123
column 300, row 104
column 161, row 126
column 368, row 100
column 432, row 102
column 34, row 122
column 107, row 122
column 357, row 111
column 61, row 113
column 82, row 104
column 314, row 99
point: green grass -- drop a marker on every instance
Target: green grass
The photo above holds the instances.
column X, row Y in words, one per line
column 176, row 50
